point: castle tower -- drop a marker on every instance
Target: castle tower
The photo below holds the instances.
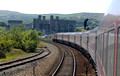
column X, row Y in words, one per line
column 56, row 23
column 57, row 17
column 34, row 23
column 39, row 17
column 51, row 27
column 51, row 17
column 44, row 18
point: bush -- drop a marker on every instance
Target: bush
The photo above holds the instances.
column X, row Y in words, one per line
column 30, row 41
column 17, row 37
column 5, row 42
column 2, row 54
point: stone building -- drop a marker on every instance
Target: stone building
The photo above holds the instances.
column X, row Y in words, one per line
column 13, row 23
column 41, row 24
column 53, row 25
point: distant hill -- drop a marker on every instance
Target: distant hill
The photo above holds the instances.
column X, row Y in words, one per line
column 11, row 15
column 27, row 18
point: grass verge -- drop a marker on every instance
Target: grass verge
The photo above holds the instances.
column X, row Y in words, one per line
column 15, row 54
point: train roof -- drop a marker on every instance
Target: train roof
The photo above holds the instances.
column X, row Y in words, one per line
column 79, row 33
column 93, row 30
column 86, row 32
column 69, row 33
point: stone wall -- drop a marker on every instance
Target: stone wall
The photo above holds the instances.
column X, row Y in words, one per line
column 13, row 23
column 17, row 23
column 53, row 25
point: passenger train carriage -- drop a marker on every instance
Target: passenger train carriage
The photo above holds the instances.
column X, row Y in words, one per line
column 102, row 44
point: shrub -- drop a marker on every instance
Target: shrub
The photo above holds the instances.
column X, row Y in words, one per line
column 30, row 41
column 17, row 37
column 5, row 42
column 2, row 54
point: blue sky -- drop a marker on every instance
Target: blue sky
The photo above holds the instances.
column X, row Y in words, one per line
column 55, row 6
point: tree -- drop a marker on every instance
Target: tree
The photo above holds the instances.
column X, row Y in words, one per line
column 17, row 37
column 40, row 33
column 30, row 41
column 3, row 24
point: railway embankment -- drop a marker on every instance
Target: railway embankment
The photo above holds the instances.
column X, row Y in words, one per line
column 41, row 68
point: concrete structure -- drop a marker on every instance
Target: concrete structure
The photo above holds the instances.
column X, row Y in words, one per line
column 53, row 25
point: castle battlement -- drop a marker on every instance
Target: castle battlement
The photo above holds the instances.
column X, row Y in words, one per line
column 53, row 25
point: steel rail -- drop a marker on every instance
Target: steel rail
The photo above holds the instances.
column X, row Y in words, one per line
column 74, row 62
column 18, row 64
column 10, row 62
column 60, row 64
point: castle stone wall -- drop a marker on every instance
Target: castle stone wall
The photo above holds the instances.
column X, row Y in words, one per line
column 53, row 25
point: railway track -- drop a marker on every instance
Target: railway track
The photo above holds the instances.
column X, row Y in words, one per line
column 15, row 63
column 68, row 65
column 84, row 68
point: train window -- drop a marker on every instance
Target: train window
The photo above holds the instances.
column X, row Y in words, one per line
column 98, row 45
column 110, row 56
column 87, row 41
column 74, row 39
column 62, row 37
column 68, row 38
column 104, row 48
column 102, row 44
column 118, row 54
column 80, row 40
column 99, row 42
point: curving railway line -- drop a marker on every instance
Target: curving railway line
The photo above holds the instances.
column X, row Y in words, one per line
column 71, row 63
column 67, row 64
column 15, row 63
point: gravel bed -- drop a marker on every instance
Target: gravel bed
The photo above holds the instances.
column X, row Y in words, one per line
column 43, row 68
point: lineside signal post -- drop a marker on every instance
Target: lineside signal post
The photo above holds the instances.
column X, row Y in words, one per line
column 34, row 64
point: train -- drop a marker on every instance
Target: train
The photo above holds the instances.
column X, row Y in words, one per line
column 100, row 45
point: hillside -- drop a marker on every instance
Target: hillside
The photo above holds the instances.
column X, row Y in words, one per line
column 11, row 15
column 27, row 18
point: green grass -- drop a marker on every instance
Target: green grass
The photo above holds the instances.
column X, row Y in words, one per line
column 2, row 28
column 14, row 55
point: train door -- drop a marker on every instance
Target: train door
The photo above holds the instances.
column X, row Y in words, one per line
column 102, row 44
column 81, row 40
column 98, row 45
column 105, row 49
column 74, row 39
column 118, row 53
column 62, row 37
column 95, row 45
column 68, row 38
column 87, row 41
column 110, row 56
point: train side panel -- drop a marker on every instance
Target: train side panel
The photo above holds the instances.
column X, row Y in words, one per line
column 92, row 44
column 72, row 38
column 85, row 41
column 79, row 39
column 65, row 37
column 59, row 36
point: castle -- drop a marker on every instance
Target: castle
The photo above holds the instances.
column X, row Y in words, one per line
column 17, row 23
column 53, row 25
column 13, row 22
